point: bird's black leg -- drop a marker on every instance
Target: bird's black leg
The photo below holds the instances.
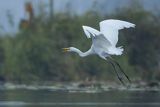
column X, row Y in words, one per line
column 120, row 79
column 120, row 68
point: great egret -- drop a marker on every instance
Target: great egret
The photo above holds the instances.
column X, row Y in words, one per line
column 104, row 42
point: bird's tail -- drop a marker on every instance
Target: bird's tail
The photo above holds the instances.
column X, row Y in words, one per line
column 116, row 50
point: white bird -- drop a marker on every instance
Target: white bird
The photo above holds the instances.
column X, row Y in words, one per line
column 104, row 41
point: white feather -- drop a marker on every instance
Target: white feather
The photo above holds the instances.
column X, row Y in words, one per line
column 90, row 31
column 110, row 29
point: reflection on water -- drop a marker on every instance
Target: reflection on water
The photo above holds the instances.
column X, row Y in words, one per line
column 45, row 98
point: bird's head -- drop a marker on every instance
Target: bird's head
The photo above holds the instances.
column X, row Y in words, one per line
column 73, row 49
column 70, row 49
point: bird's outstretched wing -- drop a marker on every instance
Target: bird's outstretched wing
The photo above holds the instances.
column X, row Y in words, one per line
column 93, row 33
column 110, row 29
column 90, row 31
column 99, row 41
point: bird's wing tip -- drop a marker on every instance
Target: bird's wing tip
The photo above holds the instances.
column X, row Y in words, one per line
column 84, row 27
column 133, row 25
column 85, row 31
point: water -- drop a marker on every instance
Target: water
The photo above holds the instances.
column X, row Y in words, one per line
column 48, row 98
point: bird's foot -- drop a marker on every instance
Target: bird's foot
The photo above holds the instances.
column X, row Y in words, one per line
column 121, row 80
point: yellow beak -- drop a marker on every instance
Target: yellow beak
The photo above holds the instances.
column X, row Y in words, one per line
column 65, row 49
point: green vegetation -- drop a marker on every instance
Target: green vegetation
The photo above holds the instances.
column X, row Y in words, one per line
column 34, row 53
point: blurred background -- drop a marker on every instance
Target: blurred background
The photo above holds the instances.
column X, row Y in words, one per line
column 32, row 33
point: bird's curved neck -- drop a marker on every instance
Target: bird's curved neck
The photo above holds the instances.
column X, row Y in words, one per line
column 82, row 54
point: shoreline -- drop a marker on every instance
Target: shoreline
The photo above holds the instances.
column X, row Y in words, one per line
column 95, row 87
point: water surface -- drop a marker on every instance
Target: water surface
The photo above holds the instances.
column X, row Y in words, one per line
column 49, row 98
